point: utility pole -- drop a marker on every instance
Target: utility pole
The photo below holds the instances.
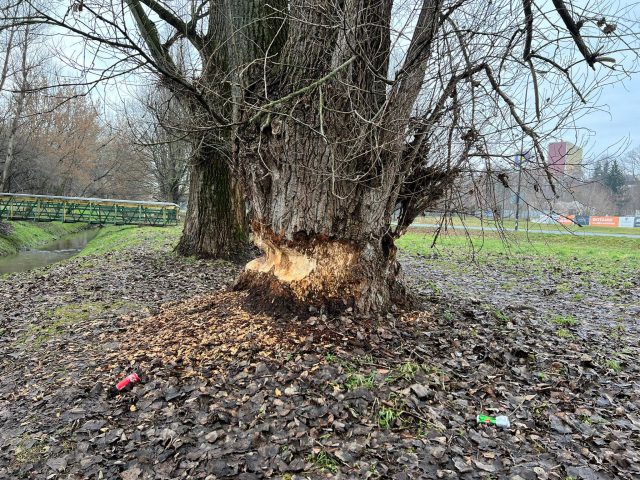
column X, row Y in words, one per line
column 521, row 157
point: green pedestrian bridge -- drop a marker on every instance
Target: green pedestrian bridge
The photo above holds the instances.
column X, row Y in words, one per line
column 100, row 211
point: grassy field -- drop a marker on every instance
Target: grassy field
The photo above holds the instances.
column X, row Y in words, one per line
column 525, row 226
column 614, row 259
column 21, row 235
column 605, row 252
column 113, row 238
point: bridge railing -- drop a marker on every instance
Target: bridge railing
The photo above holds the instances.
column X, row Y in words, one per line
column 43, row 208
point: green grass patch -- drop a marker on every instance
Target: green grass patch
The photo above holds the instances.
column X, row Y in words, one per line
column 501, row 317
column 29, row 450
column 614, row 365
column 64, row 316
column 563, row 333
column 567, row 248
column 390, row 414
column 387, row 417
column 405, row 371
column 16, row 236
column 359, row 380
column 119, row 238
column 566, row 320
column 324, row 461
column 609, row 261
column 408, row 370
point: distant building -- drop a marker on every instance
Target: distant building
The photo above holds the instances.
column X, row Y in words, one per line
column 565, row 158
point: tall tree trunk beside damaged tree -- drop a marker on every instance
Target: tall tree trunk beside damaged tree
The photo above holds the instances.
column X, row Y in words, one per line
column 216, row 223
column 328, row 142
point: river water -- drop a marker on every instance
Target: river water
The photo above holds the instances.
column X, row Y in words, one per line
column 53, row 252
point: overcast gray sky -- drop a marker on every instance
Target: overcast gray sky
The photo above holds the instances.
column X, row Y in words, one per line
column 622, row 121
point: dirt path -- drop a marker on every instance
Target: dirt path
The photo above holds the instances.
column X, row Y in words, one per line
column 232, row 393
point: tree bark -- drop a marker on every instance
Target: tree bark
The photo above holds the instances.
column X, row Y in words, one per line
column 11, row 145
column 326, row 239
column 322, row 185
column 216, row 225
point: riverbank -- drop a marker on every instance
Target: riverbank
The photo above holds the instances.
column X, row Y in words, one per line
column 16, row 236
column 229, row 392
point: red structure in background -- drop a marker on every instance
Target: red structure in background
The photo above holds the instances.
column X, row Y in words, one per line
column 557, row 156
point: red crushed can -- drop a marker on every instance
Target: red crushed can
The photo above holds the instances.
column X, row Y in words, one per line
column 128, row 380
column 125, row 384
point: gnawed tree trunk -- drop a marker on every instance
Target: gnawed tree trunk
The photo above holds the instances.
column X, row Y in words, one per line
column 326, row 240
column 324, row 271
column 216, row 224
column 323, row 182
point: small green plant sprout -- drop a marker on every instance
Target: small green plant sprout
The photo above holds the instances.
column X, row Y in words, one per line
column 367, row 359
column 617, row 330
column 586, row 418
column 614, row 365
column 358, row 380
column 387, row 417
column 566, row 320
column 330, row 357
column 390, row 412
column 563, row 333
column 408, row 370
column 324, row 461
column 500, row 316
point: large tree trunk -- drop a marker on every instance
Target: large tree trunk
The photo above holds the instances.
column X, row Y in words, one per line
column 326, row 239
column 322, row 182
column 216, row 223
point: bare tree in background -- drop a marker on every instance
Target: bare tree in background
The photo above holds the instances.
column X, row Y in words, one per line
column 164, row 146
column 21, row 86
column 8, row 46
column 336, row 114
column 631, row 164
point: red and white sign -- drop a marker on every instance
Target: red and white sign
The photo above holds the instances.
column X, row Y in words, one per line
column 604, row 221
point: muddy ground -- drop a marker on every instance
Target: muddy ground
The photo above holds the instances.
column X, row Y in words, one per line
column 229, row 392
